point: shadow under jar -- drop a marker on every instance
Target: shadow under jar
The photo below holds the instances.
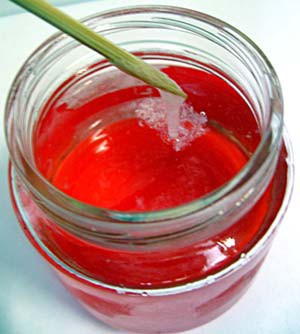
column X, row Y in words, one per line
column 172, row 253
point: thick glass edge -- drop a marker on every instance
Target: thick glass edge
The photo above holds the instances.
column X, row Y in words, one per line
column 235, row 266
column 182, row 210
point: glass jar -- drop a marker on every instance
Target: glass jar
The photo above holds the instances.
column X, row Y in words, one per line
column 161, row 271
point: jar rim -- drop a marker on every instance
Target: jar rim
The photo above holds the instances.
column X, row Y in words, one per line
column 78, row 207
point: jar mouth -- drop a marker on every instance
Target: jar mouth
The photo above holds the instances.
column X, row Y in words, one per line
column 270, row 137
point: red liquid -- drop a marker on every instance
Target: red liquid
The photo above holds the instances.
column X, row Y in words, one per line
column 124, row 166
column 128, row 167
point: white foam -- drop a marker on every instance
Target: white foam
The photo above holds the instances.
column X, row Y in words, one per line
column 175, row 120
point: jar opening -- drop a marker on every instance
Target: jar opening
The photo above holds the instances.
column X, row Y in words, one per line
column 238, row 59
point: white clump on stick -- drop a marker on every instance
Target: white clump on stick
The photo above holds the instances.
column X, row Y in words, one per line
column 176, row 121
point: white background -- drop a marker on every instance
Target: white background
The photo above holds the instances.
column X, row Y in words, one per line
column 8, row 7
column 32, row 301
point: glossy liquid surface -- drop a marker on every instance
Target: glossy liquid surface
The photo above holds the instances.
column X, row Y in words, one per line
column 128, row 167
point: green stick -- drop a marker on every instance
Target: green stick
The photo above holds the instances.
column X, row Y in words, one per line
column 122, row 59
